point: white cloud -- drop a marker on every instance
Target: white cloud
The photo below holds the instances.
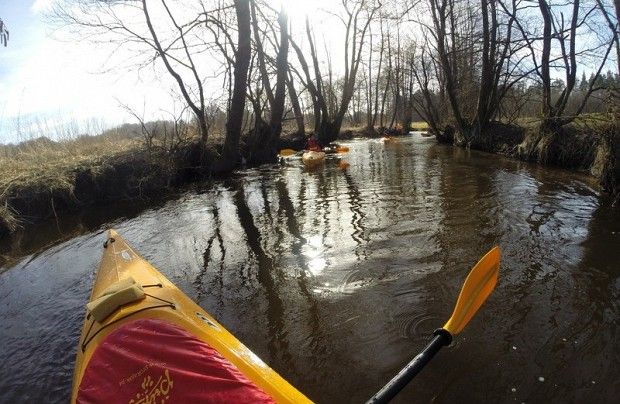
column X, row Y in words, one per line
column 41, row 5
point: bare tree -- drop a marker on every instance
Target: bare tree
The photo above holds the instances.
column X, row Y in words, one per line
column 293, row 96
column 560, row 52
column 388, row 79
column 197, row 107
column 427, row 102
column 168, row 39
column 408, row 85
column 614, row 27
column 180, row 36
column 356, row 18
column 264, row 138
column 472, row 61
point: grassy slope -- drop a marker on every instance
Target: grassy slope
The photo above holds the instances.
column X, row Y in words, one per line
column 47, row 165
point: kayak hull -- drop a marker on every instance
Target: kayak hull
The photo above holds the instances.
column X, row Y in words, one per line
column 313, row 158
column 165, row 303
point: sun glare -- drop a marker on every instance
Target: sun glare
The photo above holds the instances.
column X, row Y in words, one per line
column 299, row 9
column 324, row 25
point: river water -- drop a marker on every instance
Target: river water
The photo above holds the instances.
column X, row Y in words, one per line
column 337, row 278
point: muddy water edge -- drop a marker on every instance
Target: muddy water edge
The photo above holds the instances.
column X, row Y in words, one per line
column 337, row 278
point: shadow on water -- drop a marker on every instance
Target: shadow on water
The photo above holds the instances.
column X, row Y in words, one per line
column 214, row 256
column 287, row 210
column 278, row 344
column 357, row 219
column 337, row 278
column 597, row 292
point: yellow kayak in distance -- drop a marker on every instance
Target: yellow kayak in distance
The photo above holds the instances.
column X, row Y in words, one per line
column 143, row 340
column 313, row 158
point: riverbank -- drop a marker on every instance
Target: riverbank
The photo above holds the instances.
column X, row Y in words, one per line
column 591, row 146
column 42, row 178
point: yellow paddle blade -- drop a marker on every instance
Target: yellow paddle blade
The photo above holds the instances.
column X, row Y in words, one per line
column 342, row 149
column 477, row 287
column 287, row 152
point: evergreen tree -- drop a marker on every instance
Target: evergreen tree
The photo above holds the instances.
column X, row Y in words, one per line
column 583, row 84
column 609, row 79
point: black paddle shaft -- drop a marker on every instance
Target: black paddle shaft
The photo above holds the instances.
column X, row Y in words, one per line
column 442, row 337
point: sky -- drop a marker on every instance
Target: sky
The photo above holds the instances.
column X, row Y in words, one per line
column 48, row 84
column 52, row 84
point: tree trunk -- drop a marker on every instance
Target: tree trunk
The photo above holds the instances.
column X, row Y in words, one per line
column 299, row 115
column 369, row 124
column 617, row 6
column 266, row 135
column 388, row 80
column 376, row 110
column 230, row 153
column 545, row 56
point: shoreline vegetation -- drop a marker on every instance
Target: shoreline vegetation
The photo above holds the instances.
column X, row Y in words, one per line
column 42, row 179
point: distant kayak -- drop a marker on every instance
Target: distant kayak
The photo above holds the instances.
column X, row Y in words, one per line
column 144, row 341
column 313, row 158
column 335, row 148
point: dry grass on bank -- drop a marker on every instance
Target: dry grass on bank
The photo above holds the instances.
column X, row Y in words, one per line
column 419, row 126
column 48, row 164
column 583, row 121
column 353, row 128
column 52, row 164
column 41, row 166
